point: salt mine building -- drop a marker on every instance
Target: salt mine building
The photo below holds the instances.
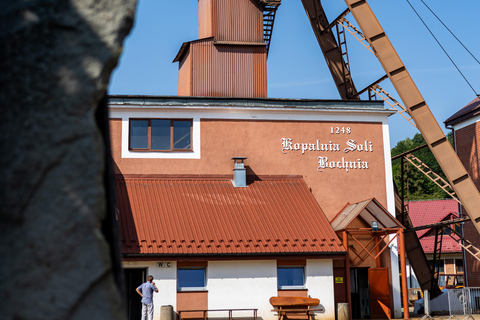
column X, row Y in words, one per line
column 229, row 198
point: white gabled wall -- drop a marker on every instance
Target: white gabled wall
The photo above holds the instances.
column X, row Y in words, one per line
column 242, row 284
column 319, row 274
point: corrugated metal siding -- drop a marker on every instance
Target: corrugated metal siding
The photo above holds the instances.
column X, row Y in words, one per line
column 260, row 72
column 205, row 19
column 185, row 75
column 197, row 216
column 237, row 68
column 238, row 20
column 228, row 70
column 203, row 68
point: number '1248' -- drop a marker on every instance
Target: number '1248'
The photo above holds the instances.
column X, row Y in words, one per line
column 338, row 130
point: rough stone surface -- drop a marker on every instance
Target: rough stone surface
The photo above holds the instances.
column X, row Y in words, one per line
column 56, row 59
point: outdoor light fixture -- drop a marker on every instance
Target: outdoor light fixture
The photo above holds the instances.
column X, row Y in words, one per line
column 374, row 226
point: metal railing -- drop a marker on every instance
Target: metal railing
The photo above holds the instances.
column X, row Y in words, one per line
column 464, row 302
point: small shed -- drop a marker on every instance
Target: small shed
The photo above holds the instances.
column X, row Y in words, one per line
column 367, row 229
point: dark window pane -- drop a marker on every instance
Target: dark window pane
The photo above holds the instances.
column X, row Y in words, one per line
column 181, row 135
column 160, row 134
column 459, row 265
column 441, row 266
column 139, row 134
column 458, row 229
column 290, row 276
column 191, row 278
column 441, row 280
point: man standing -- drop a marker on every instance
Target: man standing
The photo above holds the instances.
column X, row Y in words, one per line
column 145, row 290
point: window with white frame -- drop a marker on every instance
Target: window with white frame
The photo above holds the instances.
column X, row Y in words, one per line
column 160, row 135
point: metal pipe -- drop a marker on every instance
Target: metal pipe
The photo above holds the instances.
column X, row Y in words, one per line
column 403, row 267
column 347, row 273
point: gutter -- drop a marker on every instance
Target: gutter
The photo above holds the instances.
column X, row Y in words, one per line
column 333, row 255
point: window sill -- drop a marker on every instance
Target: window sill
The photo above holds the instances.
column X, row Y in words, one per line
column 192, row 290
column 163, row 151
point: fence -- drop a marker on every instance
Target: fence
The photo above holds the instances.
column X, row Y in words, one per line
column 464, row 301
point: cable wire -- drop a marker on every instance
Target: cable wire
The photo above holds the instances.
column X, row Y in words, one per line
column 438, row 42
column 450, row 32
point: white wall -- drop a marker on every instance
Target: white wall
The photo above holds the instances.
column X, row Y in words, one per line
column 395, row 266
column 319, row 282
column 242, row 284
column 166, row 281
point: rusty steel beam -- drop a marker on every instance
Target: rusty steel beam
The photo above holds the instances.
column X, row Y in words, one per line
column 439, row 224
column 401, row 155
column 331, row 50
column 414, row 250
column 418, row 109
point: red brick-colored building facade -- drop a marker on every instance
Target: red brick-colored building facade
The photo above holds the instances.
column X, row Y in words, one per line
column 465, row 125
column 306, row 161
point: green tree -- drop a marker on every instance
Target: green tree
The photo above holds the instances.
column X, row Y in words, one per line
column 419, row 186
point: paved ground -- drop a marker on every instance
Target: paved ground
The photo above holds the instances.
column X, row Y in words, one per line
column 443, row 317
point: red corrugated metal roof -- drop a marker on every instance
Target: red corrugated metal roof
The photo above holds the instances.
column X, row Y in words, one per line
column 209, row 216
column 432, row 211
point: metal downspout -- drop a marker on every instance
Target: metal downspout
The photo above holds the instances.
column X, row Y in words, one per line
column 460, row 215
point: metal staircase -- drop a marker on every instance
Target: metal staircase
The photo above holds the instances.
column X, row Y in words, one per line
column 332, row 52
column 430, row 174
column 269, row 10
column 467, row 245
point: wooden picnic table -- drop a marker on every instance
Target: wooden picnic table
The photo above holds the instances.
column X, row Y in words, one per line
column 295, row 306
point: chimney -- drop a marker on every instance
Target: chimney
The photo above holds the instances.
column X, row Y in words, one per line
column 239, row 172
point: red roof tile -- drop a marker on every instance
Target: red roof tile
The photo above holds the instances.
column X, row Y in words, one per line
column 432, row 211
column 448, row 245
column 209, row 216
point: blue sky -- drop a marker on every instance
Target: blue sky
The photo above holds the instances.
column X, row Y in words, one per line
column 296, row 67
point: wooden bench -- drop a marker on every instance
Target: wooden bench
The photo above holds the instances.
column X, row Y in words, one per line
column 230, row 312
column 295, row 306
